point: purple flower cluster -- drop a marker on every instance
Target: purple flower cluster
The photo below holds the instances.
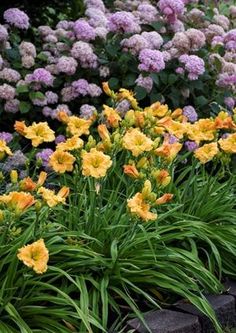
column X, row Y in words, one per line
column 83, row 52
column 42, row 76
column 66, row 65
column 3, row 33
column 9, row 75
column 191, row 145
column 87, row 111
column 123, row 22
column 84, row 31
column 44, row 156
column 17, row 18
column 151, row 61
column 190, row 113
column 171, row 9
column 194, row 65
column 5, row 136
column 16, row 161
column 145, row 82
column 7, row 92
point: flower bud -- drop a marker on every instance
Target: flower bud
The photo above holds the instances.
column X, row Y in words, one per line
column 14, row 176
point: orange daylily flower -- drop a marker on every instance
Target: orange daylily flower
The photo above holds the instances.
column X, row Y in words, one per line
column 224, row 121
column 206, row 153
column 53, row 199
column 17, row 201
column 138, row 206
column 61, row 161
column 137, row 142
column 164, row 198
column 168, row 150
column 78, row 126
column 112, row 116
column 95, row 163
column 20, row 127
column 39, row 133
column 103, row 132
column 229, row 144
column 35, row 255
column 131, row 171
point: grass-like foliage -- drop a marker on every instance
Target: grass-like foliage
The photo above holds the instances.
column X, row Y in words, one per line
column 103, row 265
column 141, row 229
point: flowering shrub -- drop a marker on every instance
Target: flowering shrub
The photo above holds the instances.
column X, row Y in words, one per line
column 170, row 52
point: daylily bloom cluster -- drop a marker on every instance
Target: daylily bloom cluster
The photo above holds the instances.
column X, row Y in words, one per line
column 149, row 138
column 27, row 193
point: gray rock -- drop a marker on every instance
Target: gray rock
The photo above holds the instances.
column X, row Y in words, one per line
column 166, row 321
column 224, row 307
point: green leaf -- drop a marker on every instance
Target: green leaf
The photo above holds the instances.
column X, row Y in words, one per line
column 163, row 77
column 155, row 78
column 129, row 80
column 22, row 89
column 172, row 78
column 140, row 93
column 113, row 83
column 24, row 107
column 157, row 25
column 42, row 56
column 201, row 101
column 36, row 95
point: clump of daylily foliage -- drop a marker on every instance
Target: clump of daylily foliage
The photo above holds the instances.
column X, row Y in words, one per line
column 90, row 184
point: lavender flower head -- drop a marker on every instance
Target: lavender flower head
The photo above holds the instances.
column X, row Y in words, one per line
column 44, row 157
column 135, row 44
column 81, row 87
column 17, row 18
column 48, row 112
column 84, row 53
column 27, row 49
column 146, row 13
column 7, row 92
column 94, row 90
column 12, row 105
column 96, row 17
column 190, row 113
column 5, row 136
column 153, row 38
column 9, row 75
column 230, row 102
column 41, row 75
column 194, row 65
column 151, row 61
column 16, row 161
column 190, row 145
column 60, row 138
column 87, row 111
column 3, row 33
column 67, row 65
column 123, row 22
column 84, row 31
column 52, row 98
column 171, row 9
column 68, row 94
column 145, row 82
column 123, row 106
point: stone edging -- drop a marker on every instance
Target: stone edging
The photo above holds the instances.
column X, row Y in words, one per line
column 186, row 318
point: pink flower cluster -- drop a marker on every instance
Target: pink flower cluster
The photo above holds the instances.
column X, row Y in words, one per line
column 194, row 66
